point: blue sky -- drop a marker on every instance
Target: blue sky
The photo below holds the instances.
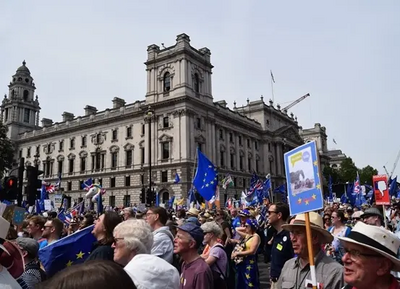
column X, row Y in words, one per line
column 345, row 54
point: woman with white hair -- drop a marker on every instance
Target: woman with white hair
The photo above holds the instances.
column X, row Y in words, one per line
column 133, row 240
column 216, row 258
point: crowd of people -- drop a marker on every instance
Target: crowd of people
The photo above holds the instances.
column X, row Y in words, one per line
column 216, row 248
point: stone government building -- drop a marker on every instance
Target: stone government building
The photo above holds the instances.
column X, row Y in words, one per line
column 111, row 146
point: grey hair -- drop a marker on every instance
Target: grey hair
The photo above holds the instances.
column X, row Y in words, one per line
column 212, row 227
column 137, row 235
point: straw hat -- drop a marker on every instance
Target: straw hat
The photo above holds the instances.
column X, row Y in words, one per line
column 316, row 224
column 193, row 212
column 377, row 239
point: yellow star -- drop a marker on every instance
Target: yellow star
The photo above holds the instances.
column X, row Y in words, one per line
column 306, row 201
column 316, row 163
column 69, row 263
column 314, row 196
column 80, row 255
column 251, row 284
column 247, row 276
column 249, row 267
column 299, row 201
column 251, row 261
column 319, row 186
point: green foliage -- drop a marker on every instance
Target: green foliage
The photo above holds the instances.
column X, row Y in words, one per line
column 6, row 151
column 348, row 173
column 366, row 175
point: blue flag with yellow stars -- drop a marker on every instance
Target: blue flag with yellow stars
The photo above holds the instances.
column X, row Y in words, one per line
column 206, row 178
column 68, row 251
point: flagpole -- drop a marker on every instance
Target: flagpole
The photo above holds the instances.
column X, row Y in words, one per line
column 272, row 85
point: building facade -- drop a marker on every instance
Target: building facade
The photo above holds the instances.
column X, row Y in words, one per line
column 117, row 146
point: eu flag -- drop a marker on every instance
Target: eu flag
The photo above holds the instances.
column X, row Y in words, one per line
column 206, row 178
column 71, row 250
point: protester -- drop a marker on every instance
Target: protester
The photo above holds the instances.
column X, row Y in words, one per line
column 217, row 258
column 128, row 213
column 371, row 254
column 245, row 256
column 103, row 231
column 338, row 229
column 282, row 249
column 196, row 273
column 98, row 274
column 296, row 271
column 52, row 231
column 372, row 216
column 33, row 273
column 163, row 246
column 35, row 229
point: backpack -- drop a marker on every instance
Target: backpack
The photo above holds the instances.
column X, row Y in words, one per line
column 176, row 261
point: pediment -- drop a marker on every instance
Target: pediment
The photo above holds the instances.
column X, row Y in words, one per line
column 165, row 138
column 290, row 134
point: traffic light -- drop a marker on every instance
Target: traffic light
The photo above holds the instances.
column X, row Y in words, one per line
column 143, row 196
column 34, row 184
column 10, row 188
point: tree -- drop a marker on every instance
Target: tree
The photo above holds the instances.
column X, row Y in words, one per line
column 366, row 174
column 348, row 170
column 333, row 172
column 6, row 150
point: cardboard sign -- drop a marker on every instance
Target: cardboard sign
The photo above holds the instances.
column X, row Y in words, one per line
column 303, row 181
column 381, row 190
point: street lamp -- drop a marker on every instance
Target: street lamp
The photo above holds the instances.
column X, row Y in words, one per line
column 149, row 116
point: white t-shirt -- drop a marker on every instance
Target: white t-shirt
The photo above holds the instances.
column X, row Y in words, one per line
column 7, row 281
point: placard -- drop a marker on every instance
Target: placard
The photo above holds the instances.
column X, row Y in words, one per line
column 381, row 190
column 303, row 181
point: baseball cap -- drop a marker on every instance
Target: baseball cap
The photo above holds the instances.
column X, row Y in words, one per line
column 29, row 245
column 193, row 230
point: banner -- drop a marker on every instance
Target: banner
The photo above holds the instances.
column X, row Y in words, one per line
column 381, row 190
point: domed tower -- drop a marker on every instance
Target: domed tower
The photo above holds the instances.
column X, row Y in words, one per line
column 20, row 109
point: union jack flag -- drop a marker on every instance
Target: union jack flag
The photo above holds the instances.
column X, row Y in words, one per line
column 357, row 187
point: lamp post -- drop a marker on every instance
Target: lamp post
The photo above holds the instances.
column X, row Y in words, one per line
column 149, row 116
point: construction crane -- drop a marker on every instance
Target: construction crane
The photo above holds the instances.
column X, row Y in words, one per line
column 286, row 108
column 394, row 166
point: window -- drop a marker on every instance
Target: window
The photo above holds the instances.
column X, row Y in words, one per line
column 222, row 158
column 69, row 186
column 71, row 166
column 257, row 165
column 143, row 129
column 20, row 154
column 240, row 140
column 198, row 122
column 127, row 181
column 61, row 145
column 114, row 160
column 256, row 145
column 142, row 179
column 232, row 157
column 83, row 141
column 164, row 176
column 28, row 153
column 241, row 163
column 165, row 150
column 196, row 84
column 221, row 134
column 127, row 201
column 142, row 156
column 129, row 131
column 72, row 143
column 6, row 114
column 231, row 137
column 112, row 182
column 249, row 163
column 269, row 147
column 83, row 164
column 111, row 201
column 100, row 182
column 27, row 113
column 26, row 95
column 81, row 184
column 166, row 122
column 115, row 134
column 200, row 147
column 248, row 143
column 128, row 158
column 167, row 82
column 60, row 166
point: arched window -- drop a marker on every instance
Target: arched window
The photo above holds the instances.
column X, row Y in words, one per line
column 165, row 197
column 196, row 84
column 26, row 95
column 167, row 82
